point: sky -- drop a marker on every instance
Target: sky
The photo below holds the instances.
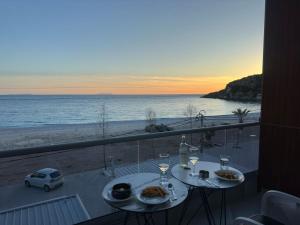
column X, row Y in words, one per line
column 128, row 46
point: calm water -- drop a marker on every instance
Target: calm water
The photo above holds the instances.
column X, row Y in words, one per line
column 32, row 111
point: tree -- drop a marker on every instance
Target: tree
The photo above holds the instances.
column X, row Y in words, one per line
column 150, row 116
column 190, row 112
column 241, row 114
column 151, row 120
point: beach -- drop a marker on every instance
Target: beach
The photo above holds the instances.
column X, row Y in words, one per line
column 17, row 138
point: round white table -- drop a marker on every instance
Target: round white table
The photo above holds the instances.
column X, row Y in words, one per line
column 138, row 182
column 212, row 182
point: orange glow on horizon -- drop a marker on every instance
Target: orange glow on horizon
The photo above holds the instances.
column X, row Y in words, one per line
column 121, row 85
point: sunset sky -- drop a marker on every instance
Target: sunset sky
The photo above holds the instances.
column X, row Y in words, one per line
column 128, row 46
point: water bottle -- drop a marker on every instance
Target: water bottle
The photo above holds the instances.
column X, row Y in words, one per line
column 183, row 153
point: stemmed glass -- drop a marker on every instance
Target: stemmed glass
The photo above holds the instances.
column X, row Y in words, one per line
column 194, row 158
column 164, row 162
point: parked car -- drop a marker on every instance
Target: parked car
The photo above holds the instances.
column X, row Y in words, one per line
column 46, row 178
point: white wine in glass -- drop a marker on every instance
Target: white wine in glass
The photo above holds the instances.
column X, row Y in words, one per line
column 194, row 160
column 163, row 167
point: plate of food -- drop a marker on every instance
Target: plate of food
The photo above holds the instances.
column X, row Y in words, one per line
column 229, row 175
column 153, row 195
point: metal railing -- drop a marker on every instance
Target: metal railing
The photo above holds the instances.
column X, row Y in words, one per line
column 114, row 140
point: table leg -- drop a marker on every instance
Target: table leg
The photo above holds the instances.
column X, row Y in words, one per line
column 167, row 217
column 209, row 214
column 145, row 219
column 126, row 218
column 199, row 208
column 152, row 220
column 137, row 219
column 223, row 207
column 185, row 205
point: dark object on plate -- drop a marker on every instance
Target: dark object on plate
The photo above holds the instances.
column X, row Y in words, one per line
column 121, row 191
column 204, row 174
column 186, row 168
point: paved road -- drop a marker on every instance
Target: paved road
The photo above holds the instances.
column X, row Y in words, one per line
column 88, row 185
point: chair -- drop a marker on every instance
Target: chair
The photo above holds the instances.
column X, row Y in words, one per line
column 276, row 208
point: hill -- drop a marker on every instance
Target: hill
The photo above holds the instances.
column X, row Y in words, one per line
column 245, row 89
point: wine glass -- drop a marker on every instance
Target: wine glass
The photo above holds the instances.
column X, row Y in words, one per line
column 194, row 158
column 224, row 161
column 164, row 162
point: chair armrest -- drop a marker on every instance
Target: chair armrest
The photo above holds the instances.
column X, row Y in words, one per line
column 245, row 221
column 281, row 206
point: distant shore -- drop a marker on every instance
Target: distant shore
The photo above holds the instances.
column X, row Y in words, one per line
column 15, row 138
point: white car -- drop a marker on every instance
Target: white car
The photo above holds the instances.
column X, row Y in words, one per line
column 46, row 178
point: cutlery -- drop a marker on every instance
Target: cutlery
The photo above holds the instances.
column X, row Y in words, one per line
column 211, row 183
column 171, row 188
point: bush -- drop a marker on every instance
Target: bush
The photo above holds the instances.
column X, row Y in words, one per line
column 153, row 128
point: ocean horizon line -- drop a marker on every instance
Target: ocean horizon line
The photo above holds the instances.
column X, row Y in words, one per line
column 104, row 94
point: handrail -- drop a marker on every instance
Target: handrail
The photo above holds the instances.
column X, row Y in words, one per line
column 114, row 140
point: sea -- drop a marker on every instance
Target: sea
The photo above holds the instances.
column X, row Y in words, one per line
column 42, row 110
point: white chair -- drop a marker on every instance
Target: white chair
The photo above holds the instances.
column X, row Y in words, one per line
column 278, row 206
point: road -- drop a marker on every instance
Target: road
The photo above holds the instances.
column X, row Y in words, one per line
column 88, row 185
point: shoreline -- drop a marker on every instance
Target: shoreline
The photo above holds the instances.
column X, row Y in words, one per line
column 159, row 120
column 16, row 138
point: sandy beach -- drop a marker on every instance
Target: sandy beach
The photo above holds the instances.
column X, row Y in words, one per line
column 16, row 138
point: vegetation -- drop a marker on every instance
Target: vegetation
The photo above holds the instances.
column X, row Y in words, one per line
column 150, row 116
column 245, row 89
column 190, row 112
column 241, row 114
column 153, row 128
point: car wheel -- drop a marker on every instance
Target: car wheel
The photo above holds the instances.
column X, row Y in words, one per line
column 46, row 188
column 27, row 183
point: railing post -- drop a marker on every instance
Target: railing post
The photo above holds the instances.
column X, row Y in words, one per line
column 138, row 156
column 225, row 140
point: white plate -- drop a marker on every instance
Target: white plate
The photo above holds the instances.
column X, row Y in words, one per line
column 110, row 198
column 154, row 200
column 238, row 175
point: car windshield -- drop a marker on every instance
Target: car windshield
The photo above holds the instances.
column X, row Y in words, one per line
column 55, row 174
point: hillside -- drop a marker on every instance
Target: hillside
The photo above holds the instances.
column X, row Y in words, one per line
column 245, row 89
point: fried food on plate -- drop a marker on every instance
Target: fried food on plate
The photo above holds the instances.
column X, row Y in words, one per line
column 154, row 191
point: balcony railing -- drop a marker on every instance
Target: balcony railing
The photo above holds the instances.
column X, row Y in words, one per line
column 115, row 140
column 82, row 163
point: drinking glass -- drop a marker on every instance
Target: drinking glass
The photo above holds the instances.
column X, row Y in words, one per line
column 224, row 162
column 194, row 158
column 164, row 163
